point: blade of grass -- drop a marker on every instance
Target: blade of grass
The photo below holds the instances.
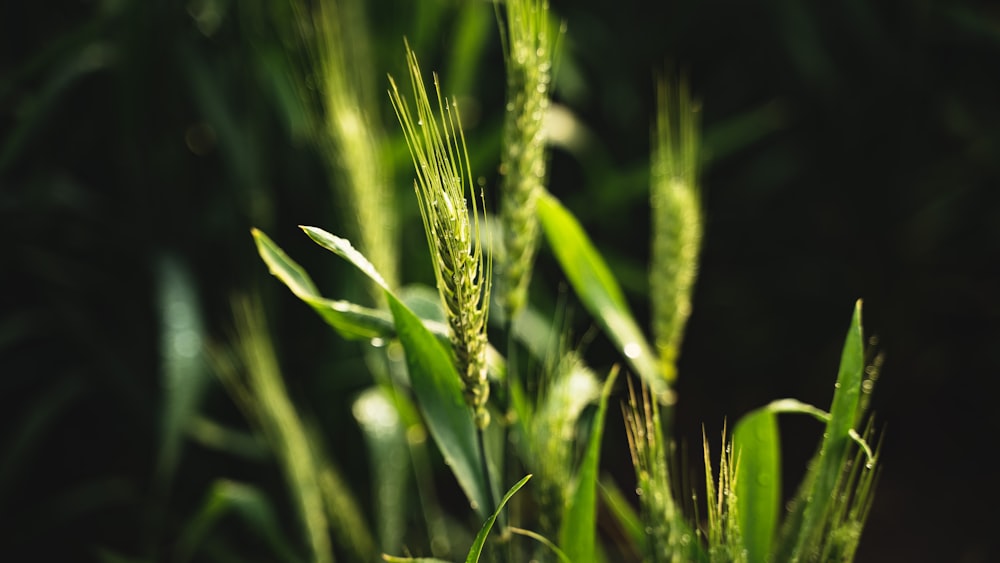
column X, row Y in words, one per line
column 392, row 559
column 477, row 546
column 185, row 373
column 578, row 534
column 600, row 293
column 758, row 481
column 384, row 435
column 626, row 514
column 837, row 438
column 544, row 541
column 245, row 501
column 253, row 377
column 439, row 394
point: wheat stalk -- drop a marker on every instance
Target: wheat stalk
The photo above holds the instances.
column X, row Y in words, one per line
column 462, row 270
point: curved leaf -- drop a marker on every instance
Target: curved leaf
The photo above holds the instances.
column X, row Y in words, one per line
column 598, row 290
column 439, row 393
column 758, row 481
column 433, row 377
column 351, row 321
column 477, row 546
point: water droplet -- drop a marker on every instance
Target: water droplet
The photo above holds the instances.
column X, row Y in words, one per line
column 638, row 491
column 632, row 350
column 378, row 342
column 420, row 122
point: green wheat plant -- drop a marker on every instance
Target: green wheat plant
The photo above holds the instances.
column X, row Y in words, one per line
column 529, row 42
column 463, row 275
column 537, row 427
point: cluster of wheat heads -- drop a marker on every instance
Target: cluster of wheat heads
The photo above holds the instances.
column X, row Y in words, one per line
column 493, row 420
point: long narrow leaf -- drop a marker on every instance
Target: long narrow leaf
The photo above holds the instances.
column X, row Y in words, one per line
column 439, row 393
column 758, row 483
column 185, row 373
column 477, row 546
column 626, row 514
column 434, row 379
column 837, row 438
column 393, row 559
column 243, row 500
column 579, row 529
column 351, row 321
column 598, row 290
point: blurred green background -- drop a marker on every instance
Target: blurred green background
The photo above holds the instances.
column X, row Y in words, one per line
column 853, row 151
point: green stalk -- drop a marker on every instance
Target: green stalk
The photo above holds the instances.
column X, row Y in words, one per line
column 253, row 379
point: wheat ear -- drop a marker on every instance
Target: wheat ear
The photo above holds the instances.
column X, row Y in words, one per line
column 463, row 271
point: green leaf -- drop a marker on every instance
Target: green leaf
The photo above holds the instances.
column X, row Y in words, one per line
column 433, row 377
column 439, row 394
column 758, row 485
column 544, row 541
column 477, row 546
column 625, row 513
column 393, row 559
column 598, row 290
column 243, row 500
column 837, row 438
column 578, row 534
column 351, row 321
column 185, row 373
column 384, row 432
column 343, row 248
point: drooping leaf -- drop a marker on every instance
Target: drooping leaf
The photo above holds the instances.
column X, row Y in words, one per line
column 477, row 546
column 544, row 541
column 598, row 290
column 434, row 379
column 350, row 320
column 758, row 485
column 579, row 528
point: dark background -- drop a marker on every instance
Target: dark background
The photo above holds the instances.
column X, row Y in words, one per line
column 852, row 151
